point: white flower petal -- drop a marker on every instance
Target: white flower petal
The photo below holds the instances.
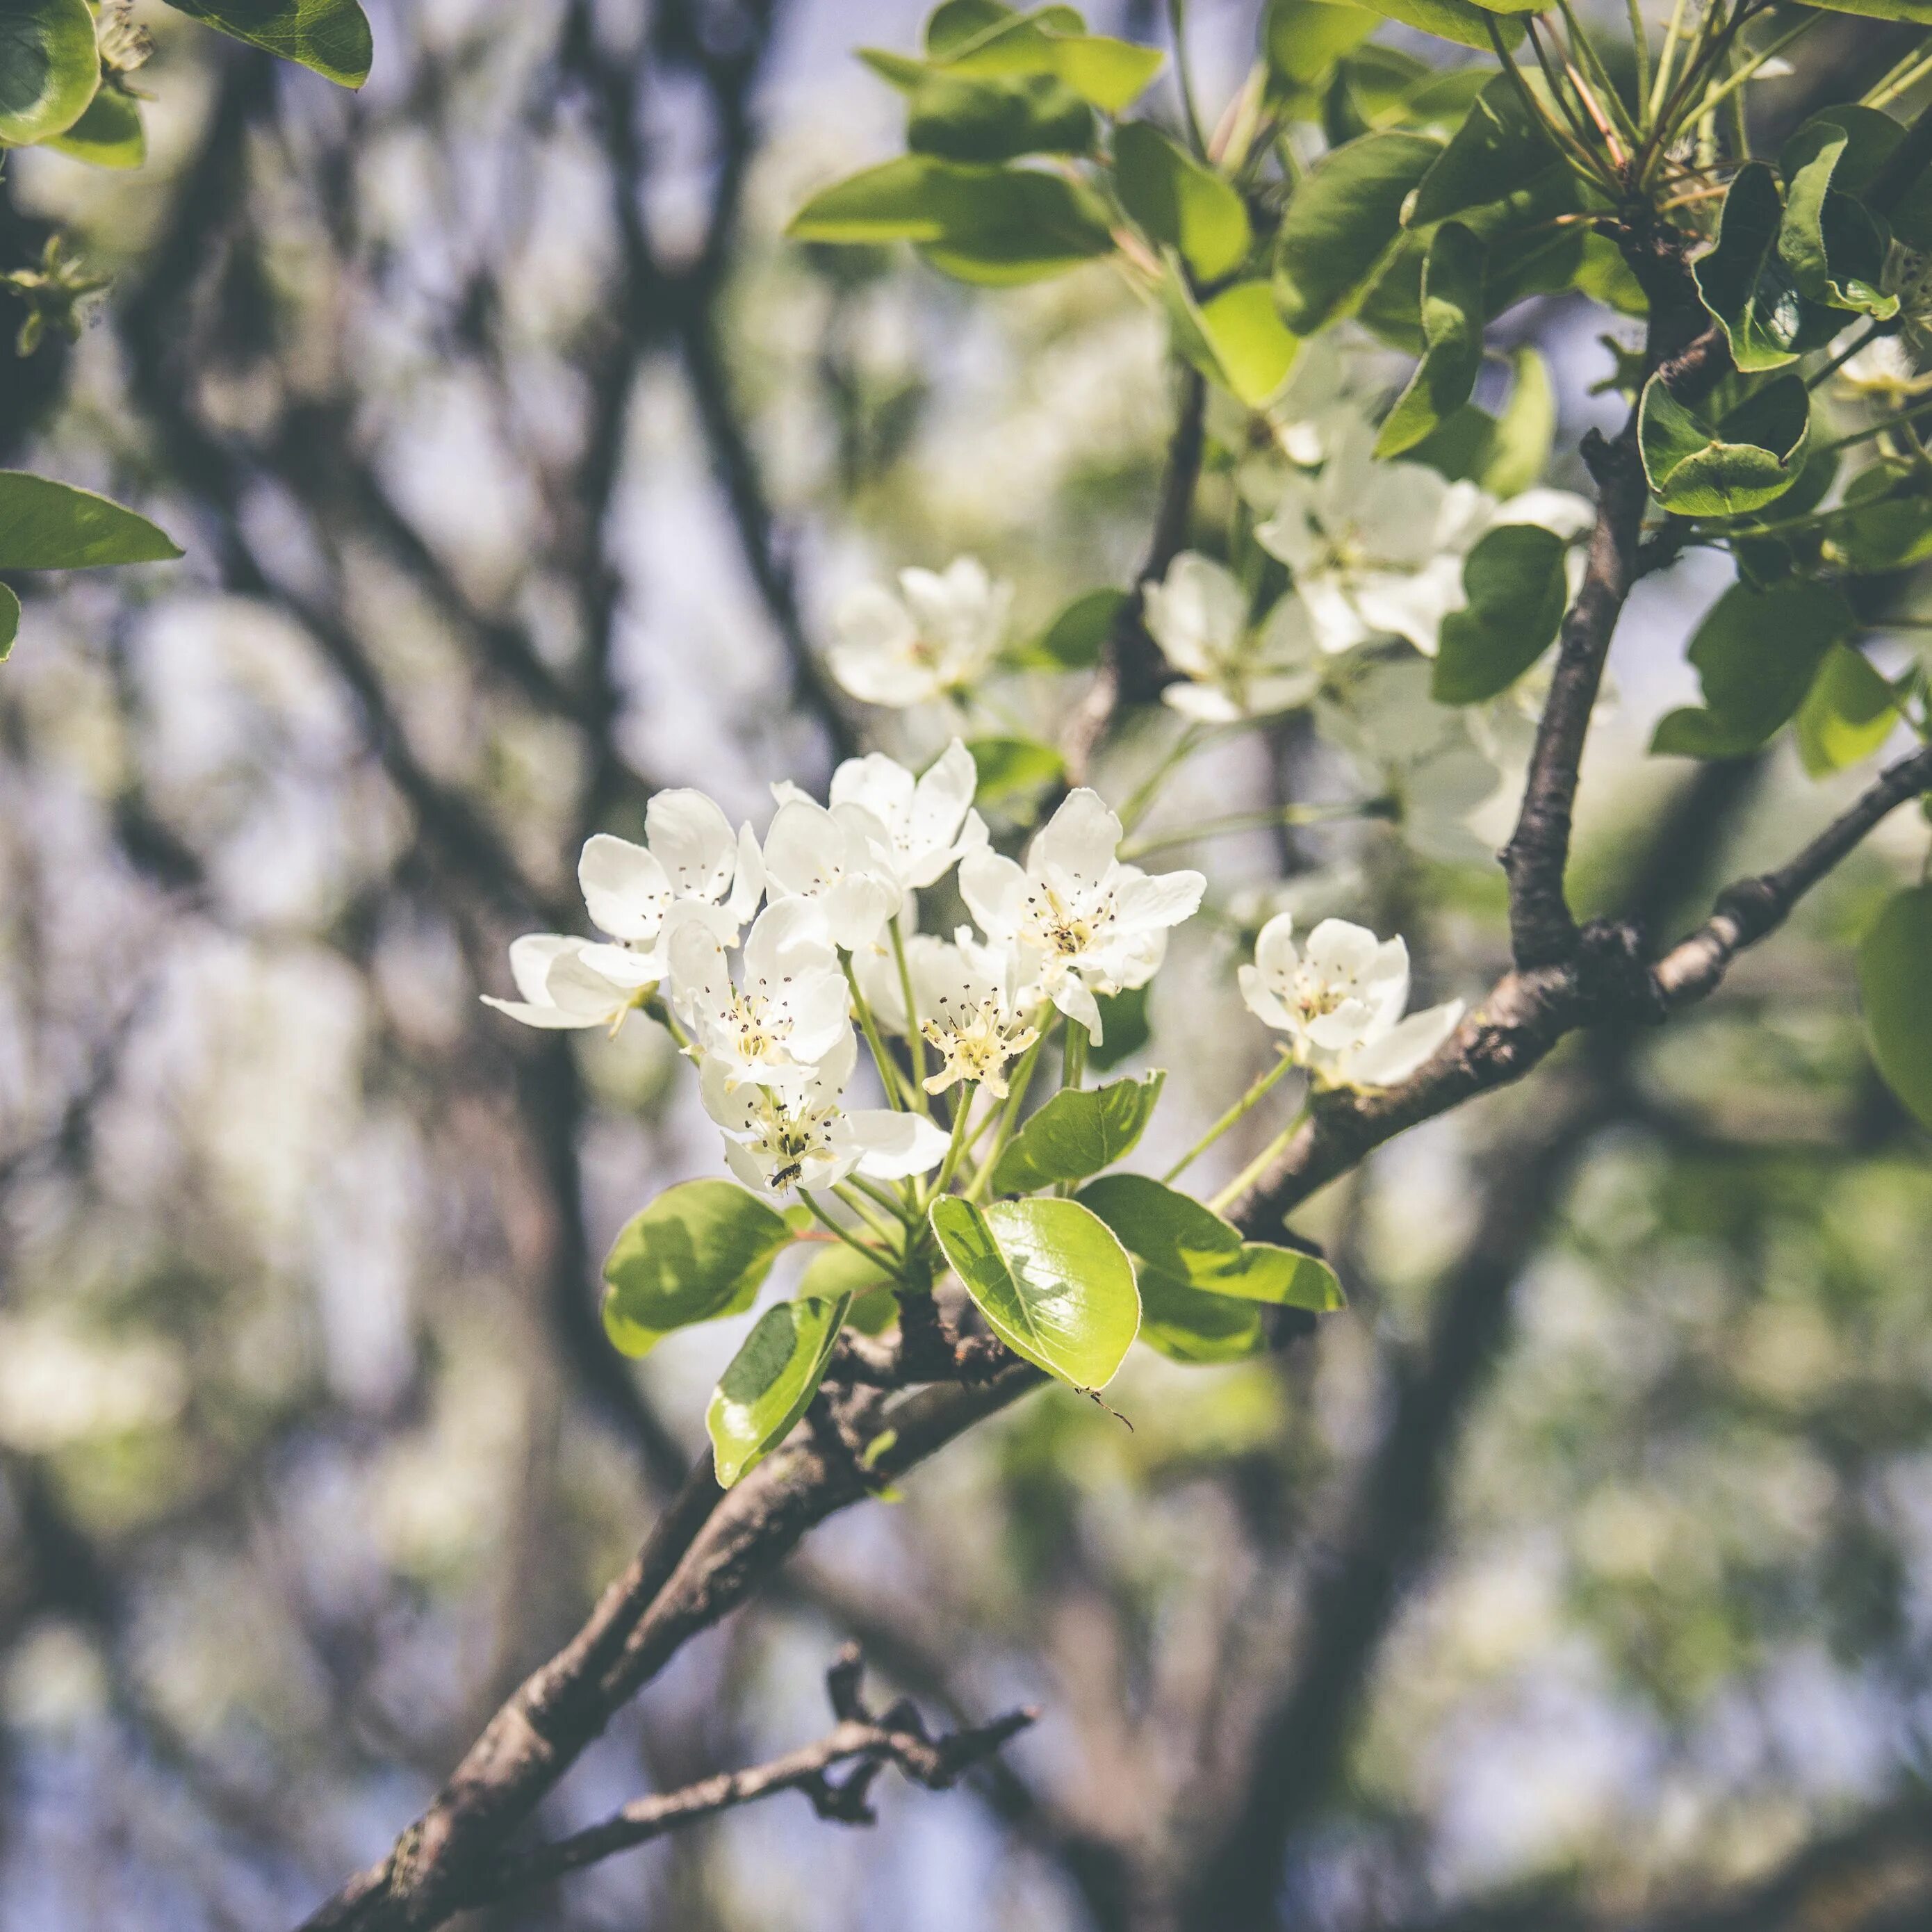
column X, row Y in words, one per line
column 889, row 1146
column 1398, row 1054
column 626, row 889
column 692, row 838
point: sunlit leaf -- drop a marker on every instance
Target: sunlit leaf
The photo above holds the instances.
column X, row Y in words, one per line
column 1699, row 468
column 1847, row 715
column 700, row 1250
column 49, row 68
column 1179, row 203
column 1461, row 21
column 1079, row 1131
column 1835, row 249
column 1452, row 339
column 966, row 118
column 330, row 36
column 1894, row 969
column 1009, row 768
column 1053, row 1283
column 49, row 526
column 108, row 135
column 1516, row 587
column 769, row 1383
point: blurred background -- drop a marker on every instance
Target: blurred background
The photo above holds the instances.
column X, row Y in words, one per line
column 1579, row 1575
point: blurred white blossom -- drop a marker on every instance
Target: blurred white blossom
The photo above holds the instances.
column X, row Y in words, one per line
column 939, row 634
column 567, row 982
column 1197, row 614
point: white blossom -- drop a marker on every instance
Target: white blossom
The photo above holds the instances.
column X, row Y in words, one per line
column 963, row 994
column 841, row 861
column 689, row 856
column 939, row 633
column 568, row 981
column 1883, row 372
column 1198, row 615
column 801, row 1137
column 789, row 1010
column 1340, row 1000
column 1077, row 921
column 1377, row 548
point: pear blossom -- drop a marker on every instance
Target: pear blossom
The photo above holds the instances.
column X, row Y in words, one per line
column 690, row 856
column 789, row 1010
column 1077, row 921
column 801, row 1137
column 1197, row 614
column 1340, row 1000
column 939, row 633
column 1377, row 548
column 1419, row 754
column 568, row 981
column 1883, row 371
column 967, row 1010
column 841, row 861
column 915, row 829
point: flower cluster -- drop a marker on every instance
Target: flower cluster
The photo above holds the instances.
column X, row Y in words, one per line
column 1341, row 999
column 769, row 1019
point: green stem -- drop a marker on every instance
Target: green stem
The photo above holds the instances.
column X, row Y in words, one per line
column 889, row 1201
column 1897, row 421
column 1558, row 136
column 1667, row 60
column 1640, row 43
column 844, row 1234
column 654, row 1007
column 1609, row 102
column 845, row 1191
column 955, row 1148
column 1073, row 1055
column 1740, row 75
column 916, row 1040
column 1903, row 78
column 1253, row 821
column 1236, row 1112
column 889, row 1072
column 1143, row 795
column 1872, row 333
column 1259, row 1166
column 1184, row 76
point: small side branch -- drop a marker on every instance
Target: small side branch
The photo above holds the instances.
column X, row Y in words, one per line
column 865, row 1742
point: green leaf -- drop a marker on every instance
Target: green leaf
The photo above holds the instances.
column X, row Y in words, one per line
column 701, row 1250
column 1303, row 39
column 10, row 622
column 1201, row 1285
column 1698, row 470
column 49, row 68
column 1011, row 767
column 1342, row 223
column 1743, row 281
column 1518, row 452
column 1848, row 713
column 332, row 37
column 959, row 22
column 1882, row 527
column 1894, row 969
column 1179, row 203
column 1052, row 1282
column 49, row 526
column 1757, row 653
column 991, row 225
column 1461, row 21
column 1516, row 587
column 1123, row 1016
column 1913, row 10
column 1604, row 276
column 769, row 1383
column 1110, row 73
column 1497, row 152
column 1834, row 251
column 1452, row 337
column 1370, row 90
column 108, row 135
column 1077, row 637
column 968, row 118
column 1236, row 340
column 838, row 1269
column 1079, row 1131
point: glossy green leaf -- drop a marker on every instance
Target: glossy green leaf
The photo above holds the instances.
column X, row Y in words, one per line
column 108, row 135
column 1341, row 223
column 1604, row 276
column 1516, row 587
column 1744, row 282
column 1497, row 152
column 839, row 1269
column 1847, row 715
column 1054, row 1284
column 959, row 23
column 1452, row 337
column 701, row 1250
column 1179, row 203
column 1370, row 90
column 332, row 37
column 1123, row 1018
column 1461, row 21
column 1303, row 39
column 1894, row 969
column 1834, row 251
column 10, row 622
column 1700, row 469
column 49, row 526
column 1009, row 768
column 49, row 68
column 769, row 1383
column 1236, row 339
column 1519, row 451
column 1883, row 526
column 1202, row 1287
column 1077, row 637
column 991, row 225
column 1757, row 653
column 965, row 117
column 1079, row 1131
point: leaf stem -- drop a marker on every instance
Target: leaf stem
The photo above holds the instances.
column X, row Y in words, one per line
column 1184, row 76
column 1640, row 44
column 1254, row 821
column 889, row 1071
column 843, row 1233
column 1259, row 1166
column 1895, row 421
column 1255, row 1092
column 915, row 1039
column 845, row 1192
